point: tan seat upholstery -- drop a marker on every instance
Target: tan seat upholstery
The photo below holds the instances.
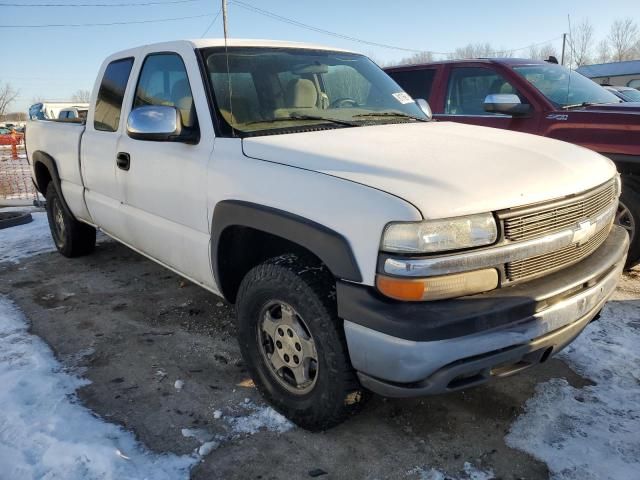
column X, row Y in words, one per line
column 182, row 99
column 300, row 96
column 301, row 93
column 241, row 111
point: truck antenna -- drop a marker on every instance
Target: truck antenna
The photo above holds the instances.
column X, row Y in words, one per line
column 226, row 52
column 572, row 55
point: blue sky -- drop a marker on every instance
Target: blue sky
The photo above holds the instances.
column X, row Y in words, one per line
column 55, row 62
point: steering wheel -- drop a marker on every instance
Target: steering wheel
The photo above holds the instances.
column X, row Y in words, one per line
column 344, row 102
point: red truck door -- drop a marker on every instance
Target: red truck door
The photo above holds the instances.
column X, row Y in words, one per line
column 463, row 91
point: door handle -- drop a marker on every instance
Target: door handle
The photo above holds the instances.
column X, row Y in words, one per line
column 123, row 160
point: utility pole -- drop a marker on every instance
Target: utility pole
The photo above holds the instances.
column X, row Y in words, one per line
column 224, row 18
column 564, row 42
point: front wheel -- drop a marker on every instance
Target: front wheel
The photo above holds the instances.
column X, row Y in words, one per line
column 293, row 342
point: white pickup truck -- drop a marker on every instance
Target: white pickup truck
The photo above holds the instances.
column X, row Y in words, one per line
column 365, row 247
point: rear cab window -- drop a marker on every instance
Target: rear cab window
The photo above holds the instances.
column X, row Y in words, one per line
column 417, row 82
column 108, row 107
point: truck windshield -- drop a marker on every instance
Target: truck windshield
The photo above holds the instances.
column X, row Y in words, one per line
column 565, row 88
column 277, row 90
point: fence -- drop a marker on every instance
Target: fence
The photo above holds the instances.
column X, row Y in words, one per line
column 16, row 187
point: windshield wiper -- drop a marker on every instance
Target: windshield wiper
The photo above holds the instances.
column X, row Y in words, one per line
column 576, row 105
column 391, row 114
column 303, row 117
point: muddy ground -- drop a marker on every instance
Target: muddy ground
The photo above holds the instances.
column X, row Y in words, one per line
column 133, row 328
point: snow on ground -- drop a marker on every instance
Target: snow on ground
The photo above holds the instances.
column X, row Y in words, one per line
column 261, row 418
column 45, row 433
column 469, row 472
column 592, row 433
column 253, row 419
column 25, row 240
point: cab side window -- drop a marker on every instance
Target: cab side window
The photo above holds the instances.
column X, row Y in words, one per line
column 469, row 86
column 109, row 102
column 163, row 81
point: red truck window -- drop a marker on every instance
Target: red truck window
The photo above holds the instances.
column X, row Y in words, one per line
column 416, row 83
column 469, row 86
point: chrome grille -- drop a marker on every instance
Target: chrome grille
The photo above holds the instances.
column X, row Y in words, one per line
column 544, row 264
column 543, row 220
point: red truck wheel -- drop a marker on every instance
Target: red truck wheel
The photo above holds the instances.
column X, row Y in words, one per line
column 628, row 216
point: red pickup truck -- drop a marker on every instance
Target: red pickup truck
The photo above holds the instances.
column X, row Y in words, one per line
column 541, row 98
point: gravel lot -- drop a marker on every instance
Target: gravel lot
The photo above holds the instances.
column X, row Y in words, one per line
column 162, row 362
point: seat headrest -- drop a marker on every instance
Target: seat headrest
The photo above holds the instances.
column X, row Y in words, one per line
column 301, row 93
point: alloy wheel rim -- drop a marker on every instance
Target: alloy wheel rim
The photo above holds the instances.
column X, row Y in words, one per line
column 624, row 218
column 58, row 221
column 288, row 348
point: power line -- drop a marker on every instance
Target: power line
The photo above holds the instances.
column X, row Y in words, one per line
column 61, row 5
column 321, row 30
column 296, row 23
column 78, row 25
column 211, row 24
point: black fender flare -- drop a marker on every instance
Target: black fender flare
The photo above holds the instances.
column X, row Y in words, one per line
column 332, row 248
column 50, row 164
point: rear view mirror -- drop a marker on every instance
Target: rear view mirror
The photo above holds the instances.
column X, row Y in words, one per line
column 506, row 103
column 158, row 123
column 424, row 106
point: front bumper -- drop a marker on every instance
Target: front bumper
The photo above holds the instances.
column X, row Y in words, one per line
column 402, row 349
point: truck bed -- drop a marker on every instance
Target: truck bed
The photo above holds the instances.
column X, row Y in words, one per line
column 60, row 141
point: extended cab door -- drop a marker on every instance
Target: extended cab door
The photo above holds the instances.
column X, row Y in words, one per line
column 105, row 122
column 165, row 183
column 465, row 88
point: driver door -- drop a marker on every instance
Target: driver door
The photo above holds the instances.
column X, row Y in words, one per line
column 467, row 88
column 165, row 183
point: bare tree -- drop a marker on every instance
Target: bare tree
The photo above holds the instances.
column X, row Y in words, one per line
column 81, row 95
column 473, row 51
column 547, row 51
column 581, row 42
column 7, row 95
column 419, row 57
column 542, row 53
column 623, row 39
column 604, row 52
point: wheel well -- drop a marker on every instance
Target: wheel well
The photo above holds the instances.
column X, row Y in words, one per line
column 242, row 248
column 43, row 177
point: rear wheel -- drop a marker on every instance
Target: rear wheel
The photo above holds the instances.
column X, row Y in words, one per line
column 628, row 216
column 71, row 237
column 293, row 342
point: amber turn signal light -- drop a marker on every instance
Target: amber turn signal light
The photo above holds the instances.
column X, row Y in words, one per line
column 438, row 288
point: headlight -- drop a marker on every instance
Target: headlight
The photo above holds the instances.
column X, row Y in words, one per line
column 440, row 235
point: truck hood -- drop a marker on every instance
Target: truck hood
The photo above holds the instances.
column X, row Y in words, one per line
column 444, row 169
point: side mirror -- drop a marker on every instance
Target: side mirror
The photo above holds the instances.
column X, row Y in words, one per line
column 506, row 103
column 158, row 123
column 424, row 106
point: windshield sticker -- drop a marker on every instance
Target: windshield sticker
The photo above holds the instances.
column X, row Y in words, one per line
column 403, row 97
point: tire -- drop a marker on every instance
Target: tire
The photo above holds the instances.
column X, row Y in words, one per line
column 71, row 237
column 14, row 219
column 629, row 216
column 301, row 292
